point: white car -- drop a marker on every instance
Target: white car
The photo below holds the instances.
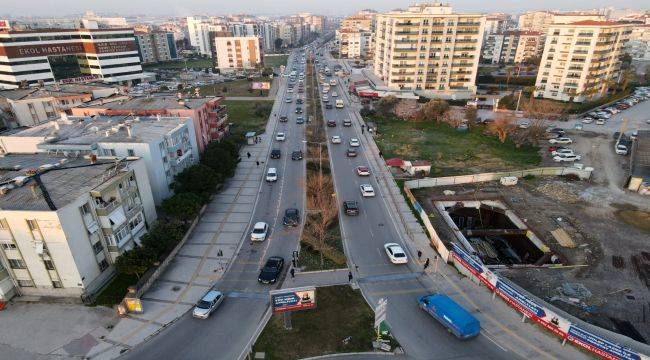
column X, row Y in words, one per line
column 339, row 104
column 395, row 253
column 367, row 190
column 208, row 303
column 290, row 90
column 562, row 151
column 335, row 94
column 587, row 120
column 272, row 175
column 566, row 158
column 326, row 98
column 336, row 139
column 600, row 121
column 354, row 142
column 280, row 136
column 260, row 229
column 561, row 140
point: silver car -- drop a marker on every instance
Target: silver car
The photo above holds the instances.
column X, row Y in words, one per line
column 208, row 303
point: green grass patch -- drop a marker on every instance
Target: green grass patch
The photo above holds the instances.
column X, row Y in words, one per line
column 451, row 152
column 275, row 61
column 114, row 292
column 341, row 313
column 234, row 88
column 180, row 64
column 248, row 115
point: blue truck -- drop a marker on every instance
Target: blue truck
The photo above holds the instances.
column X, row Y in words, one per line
column 451, row 315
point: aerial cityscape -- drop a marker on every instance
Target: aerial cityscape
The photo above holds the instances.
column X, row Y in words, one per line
column 351, row 180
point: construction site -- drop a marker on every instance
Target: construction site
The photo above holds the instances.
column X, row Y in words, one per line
column 571, row 243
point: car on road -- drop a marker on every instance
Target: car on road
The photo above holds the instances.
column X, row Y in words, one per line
column 290, row 90
column 326, row 98
column 328, row 106
column 351, row 153
column 363, row 171
column 347, row 122
column 331, row 123
column 300, row 120
column 280, row 136
column 299, row 101
column 561, row 140
column 335, row 94
column 351, row 207
column 283, row 118
column 367, row 190
column 339, row 104
column 566, row 158
column 288, row 99
column 291, row 217
column 395, row 253
column 272, row 175
column 208, row 303
column 259, row 232
column 354, row 142
column 298, row 110
column 336, row 139
column 276, row 154
column 620, row 149
column 271, row 271
column 296, row 155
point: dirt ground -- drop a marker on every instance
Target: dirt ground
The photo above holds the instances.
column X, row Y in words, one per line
column 609, row 227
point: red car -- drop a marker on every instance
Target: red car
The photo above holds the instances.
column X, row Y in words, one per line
column 363, row 171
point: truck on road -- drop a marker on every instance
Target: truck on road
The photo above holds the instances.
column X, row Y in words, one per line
column 451, row 315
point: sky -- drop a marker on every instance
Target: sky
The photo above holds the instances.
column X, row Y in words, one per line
column 280, row 7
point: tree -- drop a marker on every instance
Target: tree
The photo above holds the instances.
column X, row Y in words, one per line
column 199, row 179
column 502, row 126
column 179, row 87
column 134, row 262
column 433, row 110
column 183, row 206
column 321, row 203
column 385, row 105
column 163, row 237
column 277, row 43
column 219, row 159
column 471, row 114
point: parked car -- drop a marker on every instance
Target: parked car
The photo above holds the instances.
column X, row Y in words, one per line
column 524, row 124
column 276, row 153
column 208, row 303
column 566, row 158
column 563, row 151
column 271, row 271
column 272, row 175
column 395, row 253
column 336, row 139
column 367, row 190
column 587, row 120
column 354, row 142
column 561, row 140
column 299, row 101
column 363, row 171
column 351, row 207
column 259, row 232
column 296, row 155
column 621, row 149
column 600, row 121
column 280, row 136
column 351, row 153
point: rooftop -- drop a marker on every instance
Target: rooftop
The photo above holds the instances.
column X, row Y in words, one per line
column 156, row 102
column 641, row 156
column 65, row 181
column 52, row 91
column 596, row 23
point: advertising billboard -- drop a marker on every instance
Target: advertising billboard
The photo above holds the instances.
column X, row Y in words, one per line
column 295, row 299
column 261, row 86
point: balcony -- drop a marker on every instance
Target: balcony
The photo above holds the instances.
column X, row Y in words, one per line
column 462, row 64
column 403, row 73
column 465, row 49
column 406, row 41
column 403, row 66
column 400, row 81
column 408, row 23
column 469, row 24
column 404, row 57
column 472, row 32
column 106, row 208
column 405, row 49
column 466, row 41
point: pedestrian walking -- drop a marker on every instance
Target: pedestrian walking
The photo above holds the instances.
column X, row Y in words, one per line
column 248, row 154
column 419, row 254
column 293, row 273
column 350, row 276
column 258, row 163
column 426, row 264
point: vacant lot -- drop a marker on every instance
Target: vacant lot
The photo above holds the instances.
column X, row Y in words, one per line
column 191, row 64
column 275, row 60
column 341, row 313
column 451, row 152
column 248, row 115
column 235, row 88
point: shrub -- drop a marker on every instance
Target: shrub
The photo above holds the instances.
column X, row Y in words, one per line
column 199, row 179
column 219, row 159
column 162, row 238
column 135, row 262
column 183, row 206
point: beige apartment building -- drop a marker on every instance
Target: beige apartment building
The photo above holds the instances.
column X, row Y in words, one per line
column 581, row 60
column 429, row 49
column 512, row 47
column 231, row 53
column 541, row 20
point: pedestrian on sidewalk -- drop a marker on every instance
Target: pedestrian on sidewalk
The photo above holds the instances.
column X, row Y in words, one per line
column 258, row 163
column 363, row 129
column 248, row 154
column 381, row 154
column 292, row 272
column 426, row 264
column 350, row 276
column 419, row 254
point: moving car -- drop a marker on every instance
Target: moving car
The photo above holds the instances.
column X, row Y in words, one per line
column 395, row 253
column 335, row 94
column 296, row 155
column 299, row 101
column 271, row 271
column 354, row 142
column 620, row 149
column 350, row 207
column 331, row 123
column 259, row 232
column 272, row 175
column 328, row 106
column 339, row 104
column 276, row 153
column 300, row 120
column 298, row 110
column 367, row 190
column 336, row 139
column 283, row 118
column 280, row 136
column 333, row 82
column 566, row 158
column 326, row 98
column 291, row 217
column 288, row 99
column 347, row 122
column 208, row 303
column 351, row 153
column 363, row 171
column 561, row 140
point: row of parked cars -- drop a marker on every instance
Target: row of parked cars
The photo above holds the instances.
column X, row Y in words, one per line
column 559, row 152
column 601, row 116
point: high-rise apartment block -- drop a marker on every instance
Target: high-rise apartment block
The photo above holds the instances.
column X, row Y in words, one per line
column 541, row 20
column 429, row 49
column 156, row 46
column 581, row 59
column 354, row 36
column 512, row 47
column 639, row 45
column 231, row 53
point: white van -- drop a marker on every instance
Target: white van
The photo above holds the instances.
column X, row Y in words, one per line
column 272, row 175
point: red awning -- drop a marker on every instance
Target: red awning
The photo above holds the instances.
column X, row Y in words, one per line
column 396, row 162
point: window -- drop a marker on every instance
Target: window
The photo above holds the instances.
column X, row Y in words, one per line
column 130, row 152
column 57, row 284
column 8, row 246
column 103, row 265
column 49, row 264
column 17, row 264
column 25, row 283
column 32, row 224
column 98, row 247
column 85, row 209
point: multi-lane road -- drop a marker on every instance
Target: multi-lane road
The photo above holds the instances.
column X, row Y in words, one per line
column 228, row 332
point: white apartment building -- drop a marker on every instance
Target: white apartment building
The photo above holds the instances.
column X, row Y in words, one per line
column 639, row 45
column 496, row 23
column 541, row 20
column 33, row 57
column 512, row 47
column 355, row 36
column 166, row 145
column 199, row 32
column 429, row 49
column 59, row 236
column 231, row 53
column 580, row 60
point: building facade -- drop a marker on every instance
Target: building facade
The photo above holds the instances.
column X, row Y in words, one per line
column 581, row 60
column 156, row 46
column 355, row 36
column 429, row 49
column 33, row 57
column 639, row 44
column 61, row 238
column 231, row 53
column 512, row 47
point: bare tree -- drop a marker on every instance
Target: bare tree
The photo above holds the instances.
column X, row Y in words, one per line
column 323, row 209
column 503, row 126
column 433, row 110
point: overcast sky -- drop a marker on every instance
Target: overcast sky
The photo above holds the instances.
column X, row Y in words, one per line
column 277, row 7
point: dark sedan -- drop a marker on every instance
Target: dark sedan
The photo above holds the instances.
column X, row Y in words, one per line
column 351, row 207
column 296, row 155
column 271, row 270
column 291, row 217
column 275, row 154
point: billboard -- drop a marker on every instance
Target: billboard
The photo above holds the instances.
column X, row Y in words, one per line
column 80, row 79
column 261, row 86
column 50, row 49
column 295, row 299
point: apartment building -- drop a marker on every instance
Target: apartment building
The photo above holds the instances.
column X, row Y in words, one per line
column 270, row 32
column 639, row 45
column 34, row 106
column 512, row 47
column 541, row 20
column 33, row 57
column 209, row 117
column 156, row 46
column 429, row 49
column 199, row 29
column 64, row 221
column 232, row 53
column 496, row 23
column 581, row 60
column 354, row 36
column 165, row 144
